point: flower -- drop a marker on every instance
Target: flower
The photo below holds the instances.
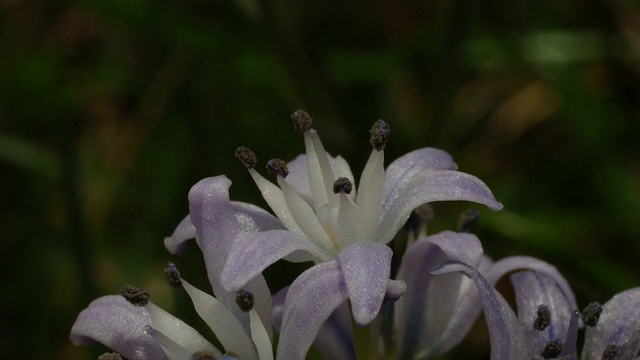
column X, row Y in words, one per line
column 437, row 310
column 546, row 326
column 146, row 332
column 138, row 329
column 342, row 229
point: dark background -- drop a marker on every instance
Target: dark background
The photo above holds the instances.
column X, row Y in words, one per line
column 111, row 110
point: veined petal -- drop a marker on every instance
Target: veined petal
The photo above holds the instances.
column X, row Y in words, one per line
column 369, row 196
column 533, row 289
column 426, row 318
column 402, row 170
column 224, row 324
column 115, row 323
column 217, row 225
column 619, row 325
column 505, row 332
column 254, row 252
column 366, row 267
column 429, row 186
column 311, row 299
column 183, row 232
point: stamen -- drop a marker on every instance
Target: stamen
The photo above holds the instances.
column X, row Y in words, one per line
column 379, row 133
column 173, row 275
column 610, row 352
column 278, row 166
column 543, row 319
column 203, row 355
column 467, row 220
column 247, row 157
column 110, row 356
column 342, row 185
column 134, row 295
column 552, row 350
column 244, row 299
column 591, row 314
column 302, row 121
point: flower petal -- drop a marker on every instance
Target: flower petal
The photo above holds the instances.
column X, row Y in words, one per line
column 183, row 232
column 253, row 218
column 249, row 217
column 335, row 338
column 619, row 325
column 217, row 225
column 115, row 323
column 425, row 317
column 402, row 170
column 253, row 252
column 506, row 265
column 298, row 176
column 311, row 299
column 366, row 267
column 429, row 186
column 533, row 289
column 320, row 173
column 505, row 332
column 224, row 324
column 369, row 196
column 177, row 330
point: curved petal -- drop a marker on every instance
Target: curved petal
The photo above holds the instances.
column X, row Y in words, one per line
column 185, row 230
column 506, row 265
column 311, row 299
column 429, row 186
column 505, row 333
column 253, row 252
column 533, row 289
column 402, row 170
column 366, row 267
column 115, row 323
column 217, row 225
column 426, row 314
column 619, row 325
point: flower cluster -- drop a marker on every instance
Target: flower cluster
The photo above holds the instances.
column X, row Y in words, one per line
column 421, row 308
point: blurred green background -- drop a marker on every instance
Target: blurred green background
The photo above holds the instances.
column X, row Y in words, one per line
column 111, row 110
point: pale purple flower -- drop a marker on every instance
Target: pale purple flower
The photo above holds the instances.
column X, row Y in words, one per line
column 547, row 322
column 148, row 332
column 343, row 229
column 437, row 311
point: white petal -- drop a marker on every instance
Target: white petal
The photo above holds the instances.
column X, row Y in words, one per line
column 224, row 324
column 350, row 222
column 260, row 337
column 275, row 199
column 320, row 174
column 369, row 197
column 305, row 217
column 177, row 330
